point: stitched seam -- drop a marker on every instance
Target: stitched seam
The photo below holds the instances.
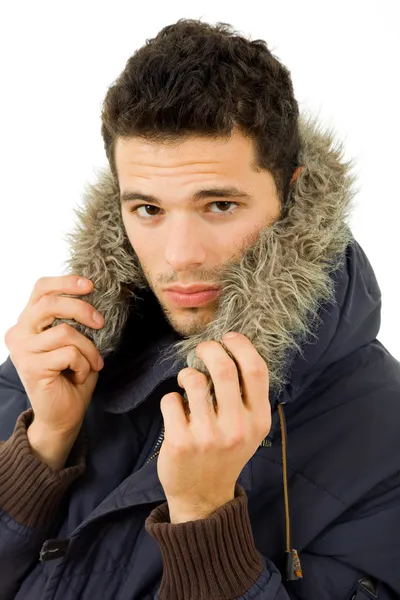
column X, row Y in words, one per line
column 23, row 532
column 295, row 472
column 68, row 579
column 100, row 541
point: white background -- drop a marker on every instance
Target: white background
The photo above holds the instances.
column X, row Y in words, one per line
column 57, row 60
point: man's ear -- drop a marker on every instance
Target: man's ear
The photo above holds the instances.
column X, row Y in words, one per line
column 296, row 174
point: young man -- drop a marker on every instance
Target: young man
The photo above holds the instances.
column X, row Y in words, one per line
column 193, row 465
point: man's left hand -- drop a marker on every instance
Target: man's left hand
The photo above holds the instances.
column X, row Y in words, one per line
column 203, row 454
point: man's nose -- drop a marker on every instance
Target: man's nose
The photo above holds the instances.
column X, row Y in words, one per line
column 185, row 245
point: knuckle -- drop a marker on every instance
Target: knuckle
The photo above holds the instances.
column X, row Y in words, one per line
column 195, row 377
column 73, row 353
column 47, row 302
column 179, row 445
column 198, row 380
column 258, row 369
column 41, row 283
column 235, row 439
column 206, row 442
column 226, row 370
column 9, row 336
column 65, row 331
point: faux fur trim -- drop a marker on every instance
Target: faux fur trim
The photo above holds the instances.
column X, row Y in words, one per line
column 272, row 295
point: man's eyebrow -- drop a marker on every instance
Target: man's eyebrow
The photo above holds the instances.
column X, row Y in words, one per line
column 222, row 192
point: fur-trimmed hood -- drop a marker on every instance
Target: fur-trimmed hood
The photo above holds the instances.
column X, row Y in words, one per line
column 303, row 293
column 273, row 295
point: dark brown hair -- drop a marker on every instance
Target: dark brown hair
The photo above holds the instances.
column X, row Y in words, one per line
column 194, row 78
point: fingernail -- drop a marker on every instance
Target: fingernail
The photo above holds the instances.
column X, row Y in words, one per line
column 97, row 317
column 229, row 335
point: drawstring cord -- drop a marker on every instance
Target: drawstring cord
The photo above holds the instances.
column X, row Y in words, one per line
column 293, row 565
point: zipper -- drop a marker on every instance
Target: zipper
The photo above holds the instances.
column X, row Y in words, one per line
column 157, row 447
column 266, row 443
column 155, row 452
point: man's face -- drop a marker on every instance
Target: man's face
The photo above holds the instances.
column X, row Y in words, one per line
column 179, row 241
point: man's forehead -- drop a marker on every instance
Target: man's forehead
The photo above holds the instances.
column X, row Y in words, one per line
column 195, row 155
column 175, row 146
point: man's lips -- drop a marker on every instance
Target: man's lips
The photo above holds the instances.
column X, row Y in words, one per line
column 194, row 299
column 192, row 288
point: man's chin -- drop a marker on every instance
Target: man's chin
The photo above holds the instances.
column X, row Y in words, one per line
column 189, row 321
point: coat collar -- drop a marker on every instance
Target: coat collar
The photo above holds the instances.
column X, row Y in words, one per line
column 273, row 295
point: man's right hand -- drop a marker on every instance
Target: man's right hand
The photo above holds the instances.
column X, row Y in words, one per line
column 59, row 400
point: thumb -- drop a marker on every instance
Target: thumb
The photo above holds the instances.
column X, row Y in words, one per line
column 89, row 386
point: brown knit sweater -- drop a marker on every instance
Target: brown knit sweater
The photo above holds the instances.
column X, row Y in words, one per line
column 208, row 558
column 31, row 491
column 213, row 558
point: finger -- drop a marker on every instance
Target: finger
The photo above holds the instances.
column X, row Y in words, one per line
column 49, row 364
column 61, row 336
column 195, row 385
column 254, row 374
column 67, row 284
column 49, row 308
column 175, row 422
column 225, row 377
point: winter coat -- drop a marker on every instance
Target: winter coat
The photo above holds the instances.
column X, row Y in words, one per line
column 317, row 518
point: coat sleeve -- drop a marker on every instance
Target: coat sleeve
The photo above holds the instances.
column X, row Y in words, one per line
column 217, row 558
column 214, row 557
column 30, row 491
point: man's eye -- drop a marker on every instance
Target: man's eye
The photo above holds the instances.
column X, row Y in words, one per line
column 142, row 216
column 135, row 210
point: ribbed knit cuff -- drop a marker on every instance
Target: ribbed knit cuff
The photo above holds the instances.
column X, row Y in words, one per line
column 30, row 491
column 208, row 558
